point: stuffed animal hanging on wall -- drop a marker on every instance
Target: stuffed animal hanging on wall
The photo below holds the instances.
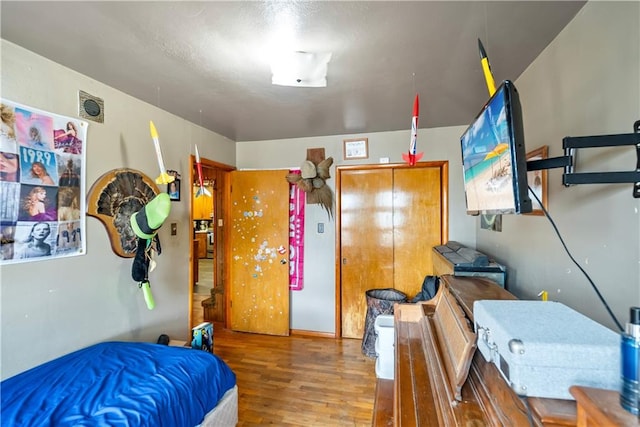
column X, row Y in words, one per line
column 312, row 180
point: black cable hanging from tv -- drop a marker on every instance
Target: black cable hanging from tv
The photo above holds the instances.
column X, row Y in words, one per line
column 569, row 177
column 593, row 285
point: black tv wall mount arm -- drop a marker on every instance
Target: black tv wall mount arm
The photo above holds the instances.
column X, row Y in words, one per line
column 572, row 143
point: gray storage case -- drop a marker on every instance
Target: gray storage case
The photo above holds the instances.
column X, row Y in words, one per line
column 542, row 348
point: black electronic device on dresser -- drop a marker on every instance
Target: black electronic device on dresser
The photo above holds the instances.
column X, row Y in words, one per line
column 459, row 260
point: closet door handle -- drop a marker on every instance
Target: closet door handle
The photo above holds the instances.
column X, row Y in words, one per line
column 344, row 261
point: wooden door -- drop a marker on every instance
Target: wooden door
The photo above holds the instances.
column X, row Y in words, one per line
column 390, row 217
column 258, row 258
column 366, row 240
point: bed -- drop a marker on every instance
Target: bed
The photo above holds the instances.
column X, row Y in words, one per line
column 123, row 383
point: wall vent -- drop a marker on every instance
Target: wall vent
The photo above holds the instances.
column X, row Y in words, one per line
column 90, row 107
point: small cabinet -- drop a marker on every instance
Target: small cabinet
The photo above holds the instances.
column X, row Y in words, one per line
column 201, row 238
column 202, row 205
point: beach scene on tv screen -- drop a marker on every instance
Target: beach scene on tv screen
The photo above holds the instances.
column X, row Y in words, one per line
column 486, row 153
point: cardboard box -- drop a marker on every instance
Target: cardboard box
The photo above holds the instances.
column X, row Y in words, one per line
column 542, row 348
column 202, row 337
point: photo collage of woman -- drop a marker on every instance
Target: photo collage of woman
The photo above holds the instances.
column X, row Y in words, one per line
column 42, row 208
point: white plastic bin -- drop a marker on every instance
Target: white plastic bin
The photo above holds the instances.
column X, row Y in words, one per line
column 384, row 346
column 384, row 330
column 384, row 368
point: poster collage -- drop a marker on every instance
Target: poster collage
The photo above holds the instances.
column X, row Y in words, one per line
column 42, row 179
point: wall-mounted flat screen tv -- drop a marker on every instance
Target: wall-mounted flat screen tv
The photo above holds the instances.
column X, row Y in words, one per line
column 494, row 157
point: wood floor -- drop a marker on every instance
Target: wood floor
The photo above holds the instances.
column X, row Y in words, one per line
column 298, row 381
column 197, row 311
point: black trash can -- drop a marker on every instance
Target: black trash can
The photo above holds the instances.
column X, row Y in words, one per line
column 379, row 301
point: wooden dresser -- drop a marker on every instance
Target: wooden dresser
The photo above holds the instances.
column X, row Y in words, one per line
column 598, row 407
column 424, row 389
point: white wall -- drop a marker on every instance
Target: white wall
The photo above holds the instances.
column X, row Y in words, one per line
column 313, row 308
column 586, row 82
column 52, row 307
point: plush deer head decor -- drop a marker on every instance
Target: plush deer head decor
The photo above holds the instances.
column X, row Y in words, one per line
column 312, row 180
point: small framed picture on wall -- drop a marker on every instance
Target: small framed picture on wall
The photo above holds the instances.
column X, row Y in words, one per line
column 173, row 189
column 538, row 181
column 356, row 148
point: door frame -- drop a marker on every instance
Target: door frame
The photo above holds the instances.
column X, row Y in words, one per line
column 444, row 182
column 221, row 206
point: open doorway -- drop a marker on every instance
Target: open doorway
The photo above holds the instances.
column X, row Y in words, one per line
column 207, row 287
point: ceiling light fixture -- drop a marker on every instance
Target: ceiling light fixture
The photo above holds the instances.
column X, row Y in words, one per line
column 300, row 69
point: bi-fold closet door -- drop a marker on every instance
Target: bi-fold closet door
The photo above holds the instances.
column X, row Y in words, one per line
column 390, row 216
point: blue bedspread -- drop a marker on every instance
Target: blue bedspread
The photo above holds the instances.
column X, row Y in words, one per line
column 117, row 384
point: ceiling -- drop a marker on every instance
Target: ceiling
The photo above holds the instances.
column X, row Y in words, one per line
column 208, row 62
